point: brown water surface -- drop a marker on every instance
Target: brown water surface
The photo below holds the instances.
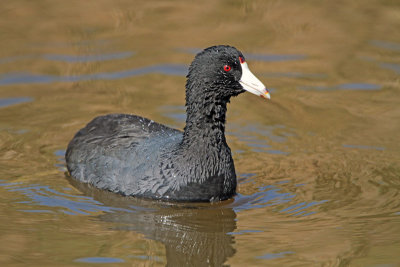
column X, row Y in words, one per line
column 318, row 165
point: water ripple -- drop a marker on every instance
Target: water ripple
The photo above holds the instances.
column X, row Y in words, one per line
column 391, row 66
column 364, row 147
column 88, row 58
column 255, row 136
column 270, row 256
column 29, row 78
column 99, row 260
column 5, row 102
column 345, row 86
column 294, row 75
column 386, row 45
column 66, row 203
column 272, row 195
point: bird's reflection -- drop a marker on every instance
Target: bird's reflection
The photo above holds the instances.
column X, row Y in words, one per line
column 193, row 234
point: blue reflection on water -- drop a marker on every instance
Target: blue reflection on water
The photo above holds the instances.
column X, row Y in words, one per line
column 294, row 75
column 56, row 201
column 99, row 260
column 88, row 58
column 37, row 211
column 258, row 136
column 345, row 86
column 384, row 65
column 60, row 153
column 60, row 159
column 13, row 58
column 277, row 152
column 244, row 232
column 273, row 57
column 386, row 45
column 267, row 196
column 99, row 42
column 18, row 78
column 364, row 147
column 70, row 58
column 271, row 195
column 250, row 131
column 270, row 256
column 28, row 78
column 391, row 66
column 5, row 102
column 66, row 203
column 176, row 113
column 245, row 178
column 146, row 257
column 301, row 208
column 359, row 86
column 261, row 200
column 258, row 147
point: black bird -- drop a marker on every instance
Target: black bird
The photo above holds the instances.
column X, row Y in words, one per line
column 135, row 156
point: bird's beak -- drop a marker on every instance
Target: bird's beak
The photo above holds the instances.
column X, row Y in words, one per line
column 251, row 84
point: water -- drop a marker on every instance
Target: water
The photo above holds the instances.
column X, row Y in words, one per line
column 318, row 165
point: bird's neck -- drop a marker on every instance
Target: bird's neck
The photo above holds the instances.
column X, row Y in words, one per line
column 205, row 122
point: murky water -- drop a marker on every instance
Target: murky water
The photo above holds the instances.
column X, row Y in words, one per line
column 318, row 165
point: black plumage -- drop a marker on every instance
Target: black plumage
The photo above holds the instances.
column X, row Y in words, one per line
column 135, row 156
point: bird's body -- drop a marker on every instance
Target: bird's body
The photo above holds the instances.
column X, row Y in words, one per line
column 126, row 144
column 135, row 156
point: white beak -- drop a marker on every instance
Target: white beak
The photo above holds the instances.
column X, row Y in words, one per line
column 251, row 84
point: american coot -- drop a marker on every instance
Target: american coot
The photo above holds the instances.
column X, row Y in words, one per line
column 135, row 156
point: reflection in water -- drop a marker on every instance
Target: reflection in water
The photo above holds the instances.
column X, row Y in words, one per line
column 193, row 235
column 99, row 260
column 261, row 138
column 270, row 256
column 271, row 195
column 60, row 154
column 364, row 147
column 391, row 66
column 386, row 45
column 12, row 59
column 244, row 232
column 5, row 102
column 346, row 86
column 176, row 113
column 84, row 43
column 28, row 78
column 71, row 58
column 384, row 65
column 273, row 57
column 359, row 86
column 88, row 58
column 63, row 202
column 276, row 133
column 302, row 208
column 294, row 75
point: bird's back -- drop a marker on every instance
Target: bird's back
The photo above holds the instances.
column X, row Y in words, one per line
column 118, row 151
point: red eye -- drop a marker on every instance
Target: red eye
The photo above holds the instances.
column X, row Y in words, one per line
column 241, row 59
column 227, row 68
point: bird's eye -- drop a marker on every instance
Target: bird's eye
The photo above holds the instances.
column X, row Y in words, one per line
column 227, row 68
